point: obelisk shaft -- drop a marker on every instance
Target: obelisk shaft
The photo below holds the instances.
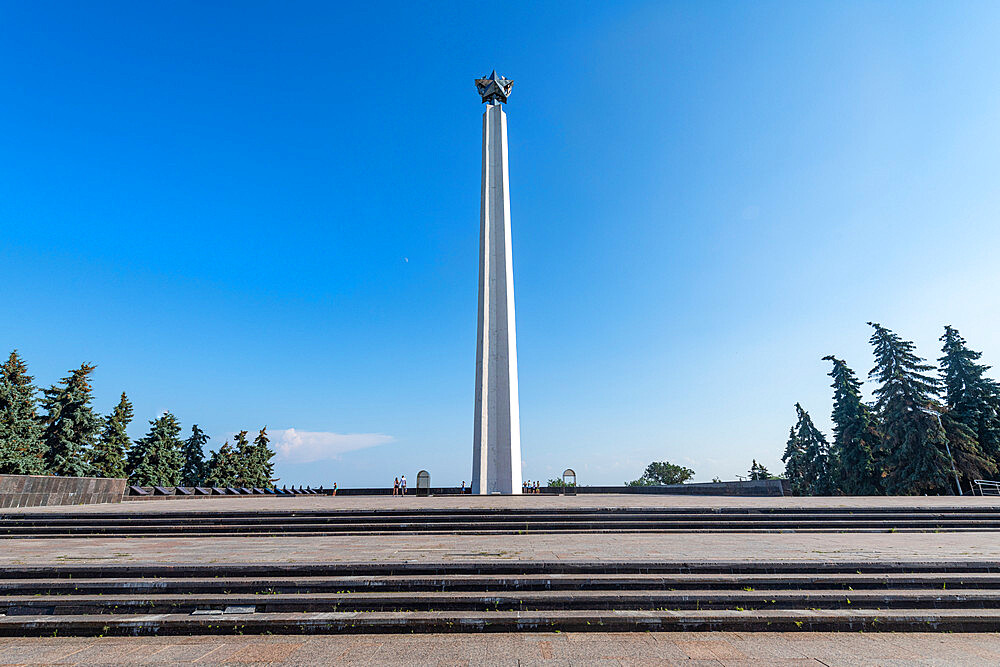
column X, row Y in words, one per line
column 496, row 456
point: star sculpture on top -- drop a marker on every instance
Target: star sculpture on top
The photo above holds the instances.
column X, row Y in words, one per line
column 494, row 88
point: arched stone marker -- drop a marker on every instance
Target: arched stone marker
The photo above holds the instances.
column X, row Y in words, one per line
column 423, row 483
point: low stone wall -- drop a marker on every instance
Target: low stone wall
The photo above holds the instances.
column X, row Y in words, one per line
column 34, row 490
column 754, row 488
column 763, row 487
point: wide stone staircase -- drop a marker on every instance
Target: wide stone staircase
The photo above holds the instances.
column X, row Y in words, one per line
column 501, row 596
column 306, row 523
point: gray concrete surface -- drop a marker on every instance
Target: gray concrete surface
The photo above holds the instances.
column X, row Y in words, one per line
column 451, row 548
column 722, row 648
column 402, row 547
column 269, row 503
column 589, row 501
column 555, row 648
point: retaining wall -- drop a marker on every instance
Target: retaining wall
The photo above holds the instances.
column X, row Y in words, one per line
column 34, row 490
column 770, row 487
column 763, row 487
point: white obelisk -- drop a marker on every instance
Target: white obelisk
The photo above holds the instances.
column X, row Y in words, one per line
column 496, row 453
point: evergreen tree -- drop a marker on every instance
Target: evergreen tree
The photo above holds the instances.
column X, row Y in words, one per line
column 971, row 398
column 817, row 454
column 244, row 459
column 758, row 471
column 223, row 467
column 914, row 440
column 263, row 467
column 807, row 457
column 71, row 427
column 967, row 456
column 195, row 468
column 855, row 470
column 22, row 451
column 157, row 459
column 107, row 458
column 795, row 464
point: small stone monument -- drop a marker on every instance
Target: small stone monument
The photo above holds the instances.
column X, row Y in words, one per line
column 423, row 483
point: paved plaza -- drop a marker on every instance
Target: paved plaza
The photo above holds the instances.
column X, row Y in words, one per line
column 543, row 501
column 973, row 545
column 557, row 648
column 718, row 648
column 454, row 548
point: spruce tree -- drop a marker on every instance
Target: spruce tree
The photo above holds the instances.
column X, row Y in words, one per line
column 807, row 457
column 22, row 451
column 244, row 459
column 817, row 454
column 71, row 426
column 108, row 457
column 758, row 471
column 157, row 459
column 914, row 441
column 855, row 470
column 969, row 461
column 795, row 464
column 263, row 467
column 223, row 467
column 971, row 398
column 195, row 468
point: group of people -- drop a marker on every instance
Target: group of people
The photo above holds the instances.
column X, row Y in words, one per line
column 399, row 486
column 528, row 486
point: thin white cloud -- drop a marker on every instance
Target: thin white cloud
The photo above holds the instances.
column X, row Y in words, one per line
column 308, row 446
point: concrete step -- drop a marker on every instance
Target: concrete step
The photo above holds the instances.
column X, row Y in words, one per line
column 954, row 620
column 515, row 516
column 430, row 515
column 499, row 582
column 498, row 596
column 484, row 528
column 508, row 514
column 266, row 602
column 748, row 531
column 140, row 570
column 477, row 521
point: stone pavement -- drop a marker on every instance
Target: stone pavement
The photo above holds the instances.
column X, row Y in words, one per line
column 510, row 649
column 328, row 503
column 461, row 548
column 716, row 648
column 548, row 547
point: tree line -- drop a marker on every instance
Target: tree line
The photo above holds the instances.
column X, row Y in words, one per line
column 659, row 473
column 61, row 434
column 927, row 431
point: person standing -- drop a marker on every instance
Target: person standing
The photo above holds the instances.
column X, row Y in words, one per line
column 462, row 492
column 402, row 484
column 395, row 487
column 334, row 489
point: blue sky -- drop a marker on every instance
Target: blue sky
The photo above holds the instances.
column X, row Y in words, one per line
column 267, row 213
